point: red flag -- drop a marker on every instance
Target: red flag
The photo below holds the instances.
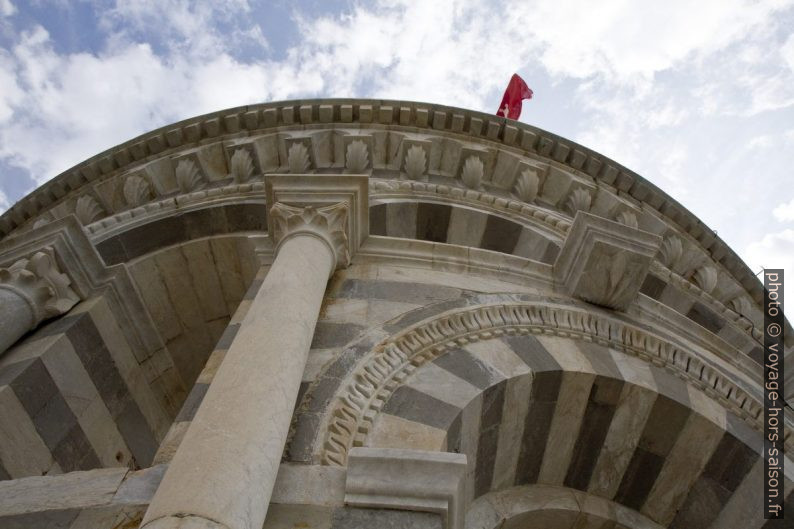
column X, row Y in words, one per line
column 517, row 91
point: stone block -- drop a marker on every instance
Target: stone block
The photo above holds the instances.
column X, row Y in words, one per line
column 410, row 480
column 604, row 262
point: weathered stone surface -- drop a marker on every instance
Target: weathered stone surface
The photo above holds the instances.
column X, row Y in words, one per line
column 604, row 262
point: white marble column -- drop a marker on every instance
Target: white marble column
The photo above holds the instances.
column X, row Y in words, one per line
column 223, row 473
column 32, row 290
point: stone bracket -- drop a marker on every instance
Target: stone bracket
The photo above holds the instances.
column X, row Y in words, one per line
column 414, row 480
column 316, row 193
column 604, row 262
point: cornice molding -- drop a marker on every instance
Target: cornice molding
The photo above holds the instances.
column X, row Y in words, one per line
column 420, row 117
column 352, row 412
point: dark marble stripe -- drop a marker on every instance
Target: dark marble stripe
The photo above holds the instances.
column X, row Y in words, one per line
column 227, row 337
column 532, row 352
column 3, row 473
column 187, row 226
column 377, row 219
column 54, row 421
column 639, row 478
column 416, row 406
column 725, row 470
column 601, row 405
column 432, row 221
column 537, row 423
column 192, row 402
column 551, row 253
column 664, row 425
column 490, row 419
column 102, row 370
column 601, row 359
column 705, row 317
column 403, row 292
column 454, row 435
column 465, row 365
column 653, row 286
column 328, row 335
column 500, row 235
column 253, row 289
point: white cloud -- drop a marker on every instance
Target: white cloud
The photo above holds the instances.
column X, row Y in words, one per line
column 784, row 212
column 7, row 8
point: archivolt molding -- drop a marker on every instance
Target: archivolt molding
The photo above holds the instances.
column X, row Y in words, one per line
column 389, row 363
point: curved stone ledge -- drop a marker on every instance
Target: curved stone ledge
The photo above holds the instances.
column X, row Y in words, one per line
column 508, row 135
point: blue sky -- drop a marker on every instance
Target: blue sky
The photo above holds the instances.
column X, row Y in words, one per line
column 698, row 97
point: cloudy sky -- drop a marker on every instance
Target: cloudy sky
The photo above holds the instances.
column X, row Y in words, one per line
column 698, row 97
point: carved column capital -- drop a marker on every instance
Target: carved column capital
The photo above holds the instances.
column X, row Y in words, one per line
column 328, row 223
column 40, row 283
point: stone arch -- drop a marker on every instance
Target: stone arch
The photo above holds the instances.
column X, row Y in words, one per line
column 549, row 507
column 401, row 393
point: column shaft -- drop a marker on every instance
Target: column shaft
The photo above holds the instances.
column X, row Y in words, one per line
column 224, row 470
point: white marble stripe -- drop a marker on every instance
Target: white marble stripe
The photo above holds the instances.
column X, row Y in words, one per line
column 443, row 385
column 564, row 430
column 499, row 355
column 22, row 451
column 469, row 441
column 511, row 431
column 567, row 354
column 391, row 431
column 685, row 462
column 577, row 379
column 466, row 227
column 621, row 440
column 82, row 397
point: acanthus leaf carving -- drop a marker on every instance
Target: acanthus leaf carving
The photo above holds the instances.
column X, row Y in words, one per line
column 40, row 282
column 706, row 278
column 527, row 185
column 472, row 172
column 188, row 176
column 579, row 200
column 327, row 222
column 298, row 158
column 136, row 191
column 88, row 210
column 356, row 157
column 241, row 166
column 415, row 163
column 628, row 218
column 672, row 251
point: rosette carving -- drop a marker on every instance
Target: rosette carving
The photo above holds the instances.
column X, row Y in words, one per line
column 329, row 223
